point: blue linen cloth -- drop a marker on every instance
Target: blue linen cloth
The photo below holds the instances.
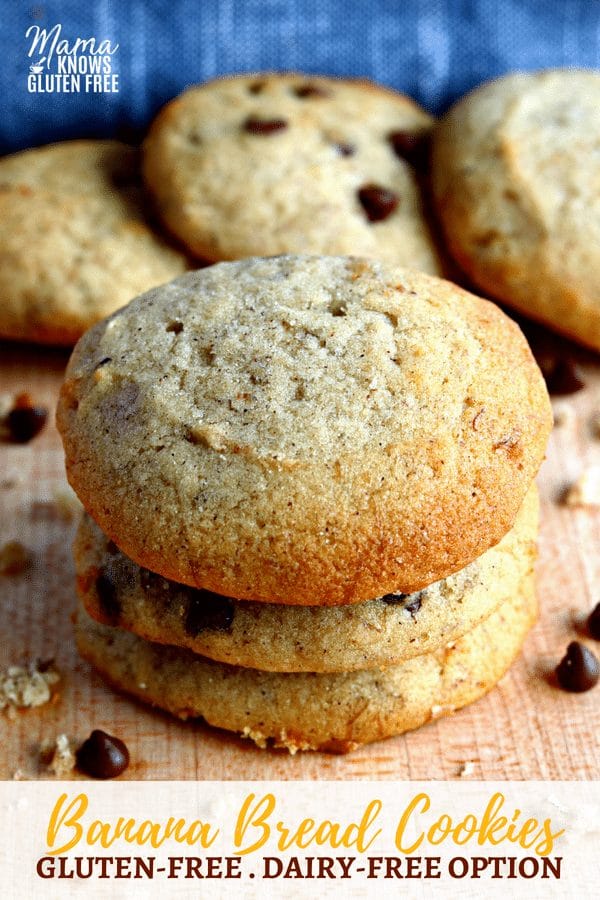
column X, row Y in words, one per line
column 434, row 51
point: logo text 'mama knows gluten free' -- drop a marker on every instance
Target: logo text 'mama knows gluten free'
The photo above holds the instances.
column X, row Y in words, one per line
column 58, row 65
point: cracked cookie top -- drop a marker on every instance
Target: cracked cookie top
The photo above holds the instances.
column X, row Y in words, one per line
column 516, row 181
column 304, row 430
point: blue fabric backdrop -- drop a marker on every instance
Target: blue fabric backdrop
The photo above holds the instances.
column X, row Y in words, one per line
column 434, row 50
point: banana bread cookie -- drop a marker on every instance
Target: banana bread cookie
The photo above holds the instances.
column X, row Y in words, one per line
column 516, row 181
column 75, row 243
column 257, row 165
column 304, row 430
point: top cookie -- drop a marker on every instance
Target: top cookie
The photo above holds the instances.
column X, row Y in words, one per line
column 74, row 241
column 304, row 429
column 265, row 164
column 516, row 179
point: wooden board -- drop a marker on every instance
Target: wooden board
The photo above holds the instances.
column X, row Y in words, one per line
column 526, row 728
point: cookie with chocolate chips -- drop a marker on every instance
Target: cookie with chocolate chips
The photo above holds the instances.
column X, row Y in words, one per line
column 304, row 430
column 75, row 240
column 282, row 638
column 273, row 163
column 302, row 710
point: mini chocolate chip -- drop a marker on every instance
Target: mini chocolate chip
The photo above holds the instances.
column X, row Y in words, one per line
column 594, row 622
column 43, row 665
column 579, row 670
column 106, row 590
column 264, row 127
column 208, row 612
column 345, row 149
column 128, row 176
column 564, row 377
column 176, row 327
column 102, row 755
column 414, row 601
column 310, row 90
column 411, row 146
column 256, row 87
column 378, row 202
column 24, row 422
column 414, row 606
column 103, row 362
column 395, row 598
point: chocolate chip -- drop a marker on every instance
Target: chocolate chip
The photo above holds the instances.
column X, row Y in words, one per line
column 264, row 127
column 256, row 87
column 208, row 612
column 594, row 622
column 102, row 756
column 411, row 146
column 108, row 599
column 24, row 422
column 345, row 149
column 377, row 202
column 310, row 90
column 563, row 377
column 414, row 606
column 579, row 670
column 414, row 601
column 395, row 598
column 175, row 326
column 44, row 665
column 128, row 173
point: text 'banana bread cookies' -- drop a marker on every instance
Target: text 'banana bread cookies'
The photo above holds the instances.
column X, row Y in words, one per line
column 282, row 449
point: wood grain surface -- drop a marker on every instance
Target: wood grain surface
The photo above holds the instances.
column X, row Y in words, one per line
column 526, row 728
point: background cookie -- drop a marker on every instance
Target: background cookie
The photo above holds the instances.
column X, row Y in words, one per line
column 516, row 179
column 265, row 164
column 74, row 241
column 303, row 711
column 280, row 638
column 304, row 429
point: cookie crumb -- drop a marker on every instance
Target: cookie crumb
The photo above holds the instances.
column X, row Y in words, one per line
column 22, row 688
column 12, row 480
column 466, row 770
column 67, row 503
column 586, row 490
column 58, row 756
column 564, row 415
column 258, row 738
column 438, row 711
column 14, row 558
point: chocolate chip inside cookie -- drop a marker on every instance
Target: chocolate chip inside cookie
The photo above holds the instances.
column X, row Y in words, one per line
column 378, row 202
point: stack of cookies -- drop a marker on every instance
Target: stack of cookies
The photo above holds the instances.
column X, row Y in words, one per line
column 311, row 515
